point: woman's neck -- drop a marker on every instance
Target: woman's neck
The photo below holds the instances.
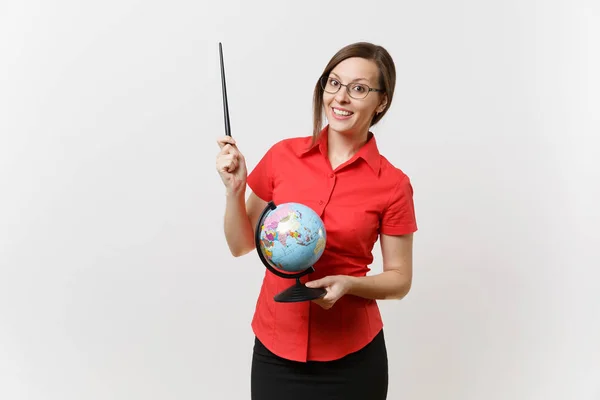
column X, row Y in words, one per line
column 342, row 147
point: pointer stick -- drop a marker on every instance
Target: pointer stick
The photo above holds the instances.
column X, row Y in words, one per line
column 225, row 105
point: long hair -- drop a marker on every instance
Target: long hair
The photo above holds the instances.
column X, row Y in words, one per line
column 369, row 51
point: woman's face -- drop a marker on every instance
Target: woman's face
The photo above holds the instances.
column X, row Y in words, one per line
column 348, row 115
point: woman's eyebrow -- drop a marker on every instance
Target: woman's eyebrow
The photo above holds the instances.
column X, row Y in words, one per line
column 354, row 80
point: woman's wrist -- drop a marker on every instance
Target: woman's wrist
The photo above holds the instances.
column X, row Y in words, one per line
column 352, row 283
column 236, row 194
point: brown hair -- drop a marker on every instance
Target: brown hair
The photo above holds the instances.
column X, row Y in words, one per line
column 369, row 51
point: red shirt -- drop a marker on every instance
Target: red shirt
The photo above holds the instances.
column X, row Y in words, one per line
column 361, row 198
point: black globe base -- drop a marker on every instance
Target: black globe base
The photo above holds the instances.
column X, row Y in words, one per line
column 299, row 292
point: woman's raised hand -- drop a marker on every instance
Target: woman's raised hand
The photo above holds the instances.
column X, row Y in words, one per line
column 231, row 165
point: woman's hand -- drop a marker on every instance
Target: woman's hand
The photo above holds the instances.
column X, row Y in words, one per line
column 335, row 285
column 231, row 165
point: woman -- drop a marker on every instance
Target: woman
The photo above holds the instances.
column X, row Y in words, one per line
column 333, row 347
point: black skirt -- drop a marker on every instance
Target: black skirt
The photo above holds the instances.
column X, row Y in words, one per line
column 362, row 375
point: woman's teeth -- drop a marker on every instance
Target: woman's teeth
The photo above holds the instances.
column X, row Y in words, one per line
column 341, row 113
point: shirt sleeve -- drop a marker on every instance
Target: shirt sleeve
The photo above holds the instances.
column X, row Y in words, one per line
column 399, row 217
column 260, row 179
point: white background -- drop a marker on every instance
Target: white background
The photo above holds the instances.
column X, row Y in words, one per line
column 115, row 279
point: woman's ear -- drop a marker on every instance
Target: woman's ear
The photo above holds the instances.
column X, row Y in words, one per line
column 382, row 105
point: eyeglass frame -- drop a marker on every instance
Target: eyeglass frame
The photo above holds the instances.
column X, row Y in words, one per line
column 325, row 77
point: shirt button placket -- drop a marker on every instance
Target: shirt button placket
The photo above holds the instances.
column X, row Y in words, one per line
column 330, row 186
column 306, row 320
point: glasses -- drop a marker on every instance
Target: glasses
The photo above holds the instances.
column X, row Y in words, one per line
column 355, row 90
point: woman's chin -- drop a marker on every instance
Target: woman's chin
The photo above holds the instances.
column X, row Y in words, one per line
column 341, row 126
column 345, row 128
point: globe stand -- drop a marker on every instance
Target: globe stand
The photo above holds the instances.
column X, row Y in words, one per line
column 297, row 292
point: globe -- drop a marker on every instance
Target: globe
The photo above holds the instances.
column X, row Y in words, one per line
column 291, row 237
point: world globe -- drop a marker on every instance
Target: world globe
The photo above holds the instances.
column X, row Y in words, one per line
column 290, row 239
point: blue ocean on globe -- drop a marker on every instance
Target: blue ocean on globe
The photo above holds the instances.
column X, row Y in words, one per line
column 292, row 237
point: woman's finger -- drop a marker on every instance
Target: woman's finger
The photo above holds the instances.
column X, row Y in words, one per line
column 228, row 163
column 229, row 149
column 224, row 140
column 232, row 166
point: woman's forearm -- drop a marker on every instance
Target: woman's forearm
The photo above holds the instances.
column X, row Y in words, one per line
column 238, row 230
column 390, row 284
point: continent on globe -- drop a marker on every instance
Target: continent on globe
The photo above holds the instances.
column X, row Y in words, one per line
column 292, row 237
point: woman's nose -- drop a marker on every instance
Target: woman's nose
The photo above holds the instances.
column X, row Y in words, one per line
column 342, row 95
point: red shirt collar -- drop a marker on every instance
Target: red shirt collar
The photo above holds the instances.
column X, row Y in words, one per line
column 368, row 152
